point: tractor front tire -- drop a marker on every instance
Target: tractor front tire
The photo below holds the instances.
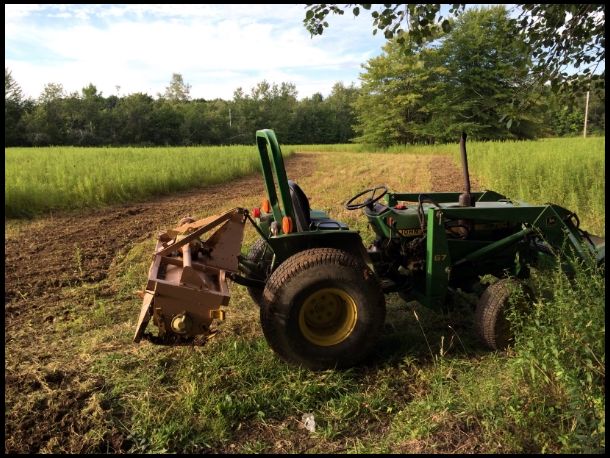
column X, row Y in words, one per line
column 322, row 308
column 490, row 317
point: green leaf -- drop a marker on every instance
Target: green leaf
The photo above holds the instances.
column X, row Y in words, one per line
column 356, row 11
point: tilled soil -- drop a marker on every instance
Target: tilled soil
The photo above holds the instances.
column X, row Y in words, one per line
column 47, row 256
column 447, row 177
column 60, row 251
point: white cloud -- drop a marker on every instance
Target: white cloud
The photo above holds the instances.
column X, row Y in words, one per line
column 216, row 48
column 15, row 12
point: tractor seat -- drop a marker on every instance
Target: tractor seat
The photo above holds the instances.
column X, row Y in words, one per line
column 302, row 213
column 300, row 205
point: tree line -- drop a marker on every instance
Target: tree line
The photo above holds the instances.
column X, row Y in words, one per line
column 463, row 78
column 89, row 118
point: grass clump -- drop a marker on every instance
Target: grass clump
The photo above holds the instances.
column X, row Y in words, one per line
column 560, row 363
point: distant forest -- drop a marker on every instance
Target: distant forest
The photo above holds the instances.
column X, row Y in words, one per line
column 466, row 79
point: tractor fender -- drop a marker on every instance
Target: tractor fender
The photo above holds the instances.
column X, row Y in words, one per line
column 287, row 245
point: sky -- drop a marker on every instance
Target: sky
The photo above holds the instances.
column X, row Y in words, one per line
column 123, row 49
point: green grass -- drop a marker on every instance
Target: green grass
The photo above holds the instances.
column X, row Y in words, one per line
column 565, row 171
column 39, row 180
column 559, row 363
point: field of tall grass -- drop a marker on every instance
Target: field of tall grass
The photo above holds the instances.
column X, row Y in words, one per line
column 566, row 171
column 39, row 180
column 366, row 148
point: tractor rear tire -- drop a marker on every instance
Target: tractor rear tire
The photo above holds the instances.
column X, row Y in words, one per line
column 322, row 308
column 490, row 317
column 261, row 254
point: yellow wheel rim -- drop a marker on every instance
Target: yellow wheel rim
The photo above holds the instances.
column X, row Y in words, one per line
column 328, row 317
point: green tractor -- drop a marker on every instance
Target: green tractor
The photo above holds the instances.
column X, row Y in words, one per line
column 321, row 292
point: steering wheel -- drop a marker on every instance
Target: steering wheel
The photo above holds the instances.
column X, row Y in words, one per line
column 369, row 200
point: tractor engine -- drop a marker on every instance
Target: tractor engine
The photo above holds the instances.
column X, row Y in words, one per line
column 401, row 259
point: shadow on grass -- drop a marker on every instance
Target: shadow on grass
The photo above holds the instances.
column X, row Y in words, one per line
column 416, row 333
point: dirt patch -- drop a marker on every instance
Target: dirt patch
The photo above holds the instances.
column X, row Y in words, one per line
column 446, row 176
column 60, row 415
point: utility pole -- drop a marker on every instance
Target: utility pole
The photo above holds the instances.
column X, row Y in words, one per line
column 230, row 116
column 584, row 132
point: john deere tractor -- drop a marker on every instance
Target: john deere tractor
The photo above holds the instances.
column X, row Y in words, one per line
column 321, row 292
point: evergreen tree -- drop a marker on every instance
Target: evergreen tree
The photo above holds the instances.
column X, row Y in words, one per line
column 14, row 108
column 178, row 90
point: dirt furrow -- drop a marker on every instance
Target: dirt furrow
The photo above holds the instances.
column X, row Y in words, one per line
column 64, row 250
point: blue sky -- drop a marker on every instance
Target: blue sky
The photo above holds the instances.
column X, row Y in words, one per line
column 217, row 48
column 123, row 49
